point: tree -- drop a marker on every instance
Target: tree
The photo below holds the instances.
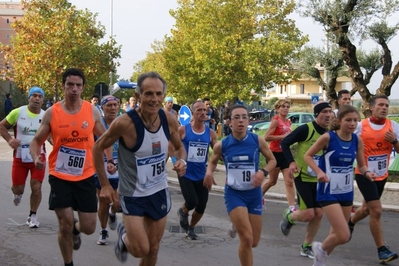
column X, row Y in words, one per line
column 225, row 49
column 53, row 36
column 369, row 20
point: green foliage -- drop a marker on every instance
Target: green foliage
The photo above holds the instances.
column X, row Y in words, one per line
column 53, row 36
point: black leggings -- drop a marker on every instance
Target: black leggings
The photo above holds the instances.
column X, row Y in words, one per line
column 194, row 193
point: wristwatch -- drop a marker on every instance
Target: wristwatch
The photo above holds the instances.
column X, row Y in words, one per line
column 111, row 161
column 265, row 172
column 394, row 142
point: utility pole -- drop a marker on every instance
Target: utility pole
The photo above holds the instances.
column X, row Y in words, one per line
column 111, row 34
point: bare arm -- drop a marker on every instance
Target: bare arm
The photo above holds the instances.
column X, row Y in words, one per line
column 175, row 139
column 360, row 161
column 214, row 138
column 14, row 143
column 321, row 143
column 217, row 154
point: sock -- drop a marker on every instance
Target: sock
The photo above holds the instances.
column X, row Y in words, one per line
column 306, row 245
column 75, row 231
column 31, row 212
column 69, row 264
column 289, row 219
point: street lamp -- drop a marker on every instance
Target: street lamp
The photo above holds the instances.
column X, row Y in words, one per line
column 110, row 35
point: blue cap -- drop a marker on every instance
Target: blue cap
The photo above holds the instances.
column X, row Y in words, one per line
column 169, row 99
column 35, row 90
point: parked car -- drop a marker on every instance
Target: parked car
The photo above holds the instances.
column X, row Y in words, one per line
column 297, row 119
column 257, row 117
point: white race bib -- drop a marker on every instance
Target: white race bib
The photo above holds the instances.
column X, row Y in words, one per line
column 197, row 152
column 151, row 170
column 316, row 159
column 239, row 175
column 70, row 161
column 378, row 164
column 26, row 157
column 341, row 179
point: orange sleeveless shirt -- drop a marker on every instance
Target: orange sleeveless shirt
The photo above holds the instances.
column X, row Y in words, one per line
column 73, row 138
column 377, row 151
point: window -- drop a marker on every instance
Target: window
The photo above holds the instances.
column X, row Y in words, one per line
column 301, row 88
column 8, row 36
column 8, row 21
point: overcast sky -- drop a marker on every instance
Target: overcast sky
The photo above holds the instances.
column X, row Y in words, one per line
column 138, row 23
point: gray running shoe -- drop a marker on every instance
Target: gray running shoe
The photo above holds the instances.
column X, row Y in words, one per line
column 307, row 252
column 77, row 241
column 112, row 220
column 103, row 240
column 320, row 256
column 191, row 234
column 120, row 248
column 183, row 219
column 385, row 255
column 285, row 224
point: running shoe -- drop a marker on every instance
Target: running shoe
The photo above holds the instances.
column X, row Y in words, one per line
column 385, row 255
column 32, row 221
column 190, row 233
column 17, row 199
column 112, row 220
column 120, row 248
column 307, row 252
column 77, row 241
column 183, row 218
column 351, row 227
column 285, row 224
column 103, row 240
column 232, row 232
column 320, row 256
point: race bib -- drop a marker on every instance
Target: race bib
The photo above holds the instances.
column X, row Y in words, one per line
column 239, row 175
column 26, row 157
column 378, row 164
column 70, row 161
column 341, row 179
column 151, row 170
column 197, row 152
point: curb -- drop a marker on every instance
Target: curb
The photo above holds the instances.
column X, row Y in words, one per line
column 389, row 186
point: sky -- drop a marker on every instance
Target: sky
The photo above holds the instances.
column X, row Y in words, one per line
column 136, row 24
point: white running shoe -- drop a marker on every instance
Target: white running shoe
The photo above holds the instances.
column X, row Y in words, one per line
column 17, row 199
column 32, row 221
column 103, row 240
column 320, row 256
column 232, row 232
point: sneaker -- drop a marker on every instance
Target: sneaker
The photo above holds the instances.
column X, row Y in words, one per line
column 32, row 221
column 183, row 218
column 112, row 220
column 320, row 256
column 232, row 232
column 385, row 255
column 103, row 240
column 351, row 227
column 77, row 241
column 190, row 233
column 120, row 248
column 285, row 224
column 307, row 252
column 17, row 199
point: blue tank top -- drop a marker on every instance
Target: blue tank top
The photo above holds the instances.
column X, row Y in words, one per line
column 241, row 159
column 197, row 146
column 337, row 163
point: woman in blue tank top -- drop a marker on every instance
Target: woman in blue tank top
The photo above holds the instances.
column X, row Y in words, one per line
column 335, row 178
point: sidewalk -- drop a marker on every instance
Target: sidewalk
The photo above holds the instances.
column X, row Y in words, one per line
column 389, row 199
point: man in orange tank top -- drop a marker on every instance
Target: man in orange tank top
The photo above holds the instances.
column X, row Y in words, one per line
column 71, row 124
column 379, row 135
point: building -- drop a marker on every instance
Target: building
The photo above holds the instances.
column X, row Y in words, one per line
column 9, row 12
column 304, row 89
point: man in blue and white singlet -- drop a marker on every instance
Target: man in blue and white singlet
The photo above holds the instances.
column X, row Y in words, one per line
column 143, row 135
column 243, row 194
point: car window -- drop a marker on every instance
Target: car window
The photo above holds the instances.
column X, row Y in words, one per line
column 294, row 119
column 307, row 118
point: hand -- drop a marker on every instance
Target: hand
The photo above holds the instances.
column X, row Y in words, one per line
column 108, row 194
column 371, row 175
column 40, row 162
column 389, row 136
column 322, row 177
column 14, row 143
column 293, row 169
column 111, row 168
column 209, row 181
column 257, row 178
column 180, row 168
